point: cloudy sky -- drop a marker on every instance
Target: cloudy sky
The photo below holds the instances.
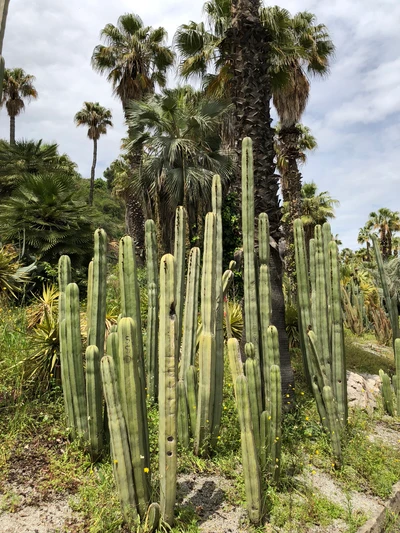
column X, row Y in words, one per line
column 354, row 114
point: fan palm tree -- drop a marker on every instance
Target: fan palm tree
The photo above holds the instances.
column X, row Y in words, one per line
column 45, row 218
column 316, row 208
column 30, row 157
column 179, row 133
column 364, row 237
column 135, row 59
column 96, row 118
column 17, row 87
column 386, row 222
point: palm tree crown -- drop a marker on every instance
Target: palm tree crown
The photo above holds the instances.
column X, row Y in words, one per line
column 97, row 118
column 17, row 87
column 135, row 57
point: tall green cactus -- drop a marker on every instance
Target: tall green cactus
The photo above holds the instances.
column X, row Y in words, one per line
column 152, row 314
column 265, row 300
column 179, row 255
column 190, row 316
column 3, row 19
column 249, row 273
column 387, row 393
column 251, row 467
column 219, row 312
column 235, row 360
column 276, row 420
column 64, row 277
column 183, row 415
column 119, row 443
column 253, row 379
column 191, row 394
column 75, row 360
column 93, row 398
column 96, row 334
column 167, row 389
column 132, row 407
column 333, row 423
column 207, row 338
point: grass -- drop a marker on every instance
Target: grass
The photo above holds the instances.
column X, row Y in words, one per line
column 35, row 446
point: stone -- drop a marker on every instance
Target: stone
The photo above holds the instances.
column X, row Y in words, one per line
column 363, row 390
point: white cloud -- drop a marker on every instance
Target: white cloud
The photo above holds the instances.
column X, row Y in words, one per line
column 354, row 113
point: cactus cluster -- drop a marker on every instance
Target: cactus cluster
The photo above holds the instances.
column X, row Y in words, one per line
column 321, row 328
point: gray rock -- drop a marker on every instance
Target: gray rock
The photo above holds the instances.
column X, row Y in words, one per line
column 362, row 391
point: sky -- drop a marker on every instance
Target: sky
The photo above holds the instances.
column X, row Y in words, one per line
column 354, row 113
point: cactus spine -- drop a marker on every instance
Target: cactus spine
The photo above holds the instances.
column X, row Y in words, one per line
column 207, row 338
column 74, row 359
column 96, row 333
column 219, row 312
column 167, row 389
column 251, row 468
column 119, row 442
column 132, row 408
column 152, row 315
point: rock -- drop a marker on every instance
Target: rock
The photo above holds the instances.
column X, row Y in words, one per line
column 362, row 391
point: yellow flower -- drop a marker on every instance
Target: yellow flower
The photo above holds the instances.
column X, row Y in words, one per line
column 306, row 417
column 115, row 462
column 316, row 452
column 146, row 470
column 219, row 436
column 287, row 395
column 302, row 393
column 313, row 472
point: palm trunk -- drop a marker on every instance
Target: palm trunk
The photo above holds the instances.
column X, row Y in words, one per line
column 92, row 172
column 368, row 252
column 247, row 43
column 291, row 192
column 12, row 129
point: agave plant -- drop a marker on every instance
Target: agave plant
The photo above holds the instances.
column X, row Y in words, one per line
column 13, row 276
column 46, row 303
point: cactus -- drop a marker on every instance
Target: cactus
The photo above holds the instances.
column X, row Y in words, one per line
column 249, row 273
column 96, row 333
column 339, row 378
column 235, row 361
column 119, row 442
column 152, row 314
column 132, row 407
column 253, row 380
column 264, row 297
column 179, row 255
column 207, row 338
column 333, row 423
column 227, row 280
column 183, row 415
column 251, row 468
column 3, row 18
column 391, row 306
column 191, row 394
column 64, row 277
column 275, row 425
column 219, row 312
column 153, row 518
column 387, row 393
column 396, row 379
column 73, row 348
column 190, row 317
column 95, row 424
column 167, row 389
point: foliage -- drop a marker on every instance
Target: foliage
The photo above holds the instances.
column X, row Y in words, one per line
column 42, row 306
column 135, row 57
column 292, row 328
column 95, row 117
column 47, row 220
column 13, row 275
column 17, row 86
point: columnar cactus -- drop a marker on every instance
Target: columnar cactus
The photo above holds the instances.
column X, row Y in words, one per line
column 333, row 423
column 251, row 467
column 95, row 423
column 191, row 394
column 167, row 389
column 132, row 407
column 119, row 442
column 3, row 18
column 264, row 298
column 276, row 420
column 74, row 359
column 64, row 277
column 96, row 333
column 397, row 378
column 183, row 415
column 207, row 337
column 253, row 379
column 179, row 255
column 387, row 393
column 152, row 314
column 219, row 311
column 235, row 360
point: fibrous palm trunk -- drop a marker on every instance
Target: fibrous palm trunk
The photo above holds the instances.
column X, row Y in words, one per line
column 134, row 217
column 291, row 192
column 92, row 172
column 247, row 45
column 12, row 129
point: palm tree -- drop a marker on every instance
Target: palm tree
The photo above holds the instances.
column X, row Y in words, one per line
column 97, row 118
column 45, row 218
column 179, row 133
column 364, row 237
column 316, row 208
column 386, row 222
column 135, row 60
column 30, row 157
column 17, row 86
